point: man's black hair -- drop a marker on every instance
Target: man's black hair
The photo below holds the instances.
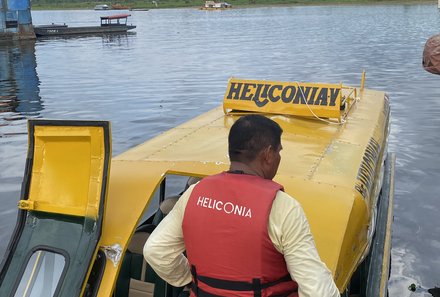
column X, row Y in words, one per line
column 251, row 134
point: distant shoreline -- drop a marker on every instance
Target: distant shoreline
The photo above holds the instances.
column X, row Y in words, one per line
column 235, row 4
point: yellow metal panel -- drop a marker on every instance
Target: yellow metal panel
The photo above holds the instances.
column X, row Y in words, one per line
column 325, row 225
column 354, row 241
column 165, row 143
column 67, row 170
column 289, row 98
column 337, row 165
column 338, row 220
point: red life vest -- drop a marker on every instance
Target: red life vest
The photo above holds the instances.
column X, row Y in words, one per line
column 227, row 242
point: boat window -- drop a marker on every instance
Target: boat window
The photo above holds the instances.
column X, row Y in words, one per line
column 42, row 274
column 12, row 19
column 175, row 184
column 172, row 186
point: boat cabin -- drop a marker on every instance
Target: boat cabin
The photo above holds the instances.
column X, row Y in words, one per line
column 84, row 216
column 115, row 20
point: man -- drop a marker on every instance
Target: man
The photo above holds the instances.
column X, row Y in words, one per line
column 242, row 234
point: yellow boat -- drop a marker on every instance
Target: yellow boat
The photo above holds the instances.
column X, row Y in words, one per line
column 84, row 216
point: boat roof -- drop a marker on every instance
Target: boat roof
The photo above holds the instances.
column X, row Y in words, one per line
column 115, row 16
column 323, row 166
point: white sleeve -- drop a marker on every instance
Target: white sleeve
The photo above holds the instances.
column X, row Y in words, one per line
column 165, row 246
column 290, row 232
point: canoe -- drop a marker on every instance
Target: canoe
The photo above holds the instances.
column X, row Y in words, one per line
column 87, row 215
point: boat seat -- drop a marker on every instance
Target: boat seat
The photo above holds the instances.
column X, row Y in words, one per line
column 165, row 207
column 136, row 278
column 191, row 181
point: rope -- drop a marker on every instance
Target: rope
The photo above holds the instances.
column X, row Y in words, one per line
column 311, row 111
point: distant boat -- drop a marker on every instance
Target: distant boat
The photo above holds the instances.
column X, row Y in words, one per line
column 102, row 7
column 109, row 24
column 214, row 5
column 139, row 9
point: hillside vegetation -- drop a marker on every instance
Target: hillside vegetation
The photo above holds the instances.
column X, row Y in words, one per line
column 80, row 4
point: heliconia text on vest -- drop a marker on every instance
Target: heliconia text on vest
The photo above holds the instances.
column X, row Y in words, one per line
column 227, row 207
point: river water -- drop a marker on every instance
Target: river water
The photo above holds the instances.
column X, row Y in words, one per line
column 176, row 65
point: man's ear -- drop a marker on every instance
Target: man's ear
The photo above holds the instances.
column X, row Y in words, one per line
column 267, row 154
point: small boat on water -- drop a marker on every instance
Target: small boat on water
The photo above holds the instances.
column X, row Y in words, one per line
column 84, row 216
column 214, row 5
column 102, row 7
column 109, row 24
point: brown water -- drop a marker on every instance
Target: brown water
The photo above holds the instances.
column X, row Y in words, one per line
column 176, row 66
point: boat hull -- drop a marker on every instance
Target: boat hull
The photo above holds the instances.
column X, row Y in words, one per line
column 65, row 30
column 215, row 8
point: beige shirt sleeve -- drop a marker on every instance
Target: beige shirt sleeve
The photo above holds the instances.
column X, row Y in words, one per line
column 165, row 246
column 288, row 230
column 290, row 233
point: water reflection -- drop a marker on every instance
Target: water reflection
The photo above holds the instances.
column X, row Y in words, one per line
column 19, row 100
column 121, row 40
column 8, row 103
column 108, row 40
column 19, row 83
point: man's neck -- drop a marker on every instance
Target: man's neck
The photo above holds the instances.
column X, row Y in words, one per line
column 245, row 168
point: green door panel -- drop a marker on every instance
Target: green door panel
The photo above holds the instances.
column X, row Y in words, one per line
column 60, row 211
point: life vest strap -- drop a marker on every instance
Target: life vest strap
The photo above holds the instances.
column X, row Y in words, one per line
column 231, row 285
column 256, row 285
column 202, row 293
